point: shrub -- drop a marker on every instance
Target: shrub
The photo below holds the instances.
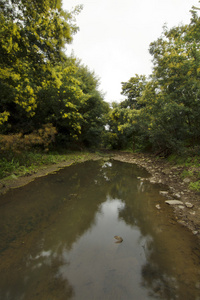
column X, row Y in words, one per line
column 19, row 142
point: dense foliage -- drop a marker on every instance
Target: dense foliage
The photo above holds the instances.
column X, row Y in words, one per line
column 162, row 113
column 48, row 97
column 40, row 86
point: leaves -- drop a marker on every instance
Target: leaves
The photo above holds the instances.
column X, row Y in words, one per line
column 39, row 83
column 162, row 112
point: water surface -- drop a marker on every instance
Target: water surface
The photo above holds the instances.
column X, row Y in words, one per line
column 57, row 238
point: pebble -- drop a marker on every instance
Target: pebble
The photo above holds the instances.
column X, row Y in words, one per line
column 163, row 193
column 195, row 232
column 167, row 171
column 181, row 206
column 158, row 206
column 186, row 180
column 152, row 180
column 189, row 205
column 178, row 196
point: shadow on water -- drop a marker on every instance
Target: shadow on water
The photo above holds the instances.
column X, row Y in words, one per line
column 57, row 238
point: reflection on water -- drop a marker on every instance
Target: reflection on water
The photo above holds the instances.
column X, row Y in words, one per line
column 57, row 239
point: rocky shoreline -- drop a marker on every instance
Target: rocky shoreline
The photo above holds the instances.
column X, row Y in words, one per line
column 185, row 202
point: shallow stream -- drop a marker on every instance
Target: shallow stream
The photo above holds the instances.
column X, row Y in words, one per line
column 57, row 238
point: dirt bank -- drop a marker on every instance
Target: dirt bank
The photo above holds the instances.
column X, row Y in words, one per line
column 187, row 213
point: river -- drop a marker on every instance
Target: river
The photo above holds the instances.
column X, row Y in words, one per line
column 57, row 238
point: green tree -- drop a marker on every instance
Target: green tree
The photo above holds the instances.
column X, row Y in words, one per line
column 93, row 110
column 121, row 125
column 162, row 112
column 176, row 60
column 124, row 116
column 60, row 102
column 33, row 35
column 133, row 90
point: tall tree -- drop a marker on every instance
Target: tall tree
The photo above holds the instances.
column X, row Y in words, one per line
column 93, row 110
column 163, row 111
column 33, row 35
column 176, row 59
column 133, row 91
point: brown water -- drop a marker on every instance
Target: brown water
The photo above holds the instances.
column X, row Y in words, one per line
column 57, row 239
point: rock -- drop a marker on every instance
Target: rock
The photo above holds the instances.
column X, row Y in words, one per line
column 178, row 196
column 163, row 193
column 187, row 180
column 195, row 232
column 143, row 179
column 158, row 206
column 152, row 180
column 189, row 205
column 118, row 238
column 173, row 202
column 181, row 222
column 167, row 171
column 171, row 188
column 181, row 206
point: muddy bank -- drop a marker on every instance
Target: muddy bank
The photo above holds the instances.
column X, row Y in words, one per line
column 187, row 213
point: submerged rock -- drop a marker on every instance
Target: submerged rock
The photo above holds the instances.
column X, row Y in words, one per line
column 195, row 232
column 158, row 206
column 118, row 238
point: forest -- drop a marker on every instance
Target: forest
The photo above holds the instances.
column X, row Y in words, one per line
column 50, row 100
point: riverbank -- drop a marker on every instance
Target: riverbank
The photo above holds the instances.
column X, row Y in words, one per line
column 18, row 179
column 187, row 211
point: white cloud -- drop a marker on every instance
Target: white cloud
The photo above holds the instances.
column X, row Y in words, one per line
column 114, row 36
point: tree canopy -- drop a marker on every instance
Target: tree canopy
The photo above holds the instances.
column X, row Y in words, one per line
column 39, row 84
column 44, row 91
column 162, row 112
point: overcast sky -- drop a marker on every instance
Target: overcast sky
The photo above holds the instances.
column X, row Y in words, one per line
column 114, row 36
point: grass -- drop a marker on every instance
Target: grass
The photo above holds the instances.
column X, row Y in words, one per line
column 19, row 164
column 191, row 168
column 195, row 185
